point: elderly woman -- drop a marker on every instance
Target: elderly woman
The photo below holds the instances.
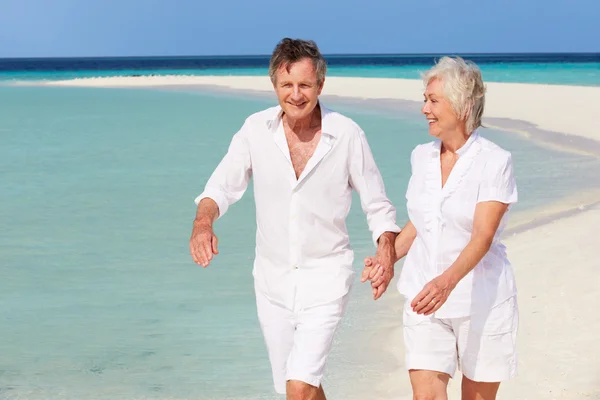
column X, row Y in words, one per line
column 461, row 306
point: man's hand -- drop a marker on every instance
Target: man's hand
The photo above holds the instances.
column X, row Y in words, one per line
column 386, row 258
column 380, row 269
column 203, row 243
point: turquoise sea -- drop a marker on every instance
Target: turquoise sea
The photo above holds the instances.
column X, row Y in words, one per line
column 99, row 298
column 549, row 68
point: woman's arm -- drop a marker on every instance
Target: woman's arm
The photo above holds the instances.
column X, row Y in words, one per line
column 485, row 224
column 404, row 240
column 488, row 215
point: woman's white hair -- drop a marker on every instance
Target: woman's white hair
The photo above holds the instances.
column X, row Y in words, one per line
column 463, row 87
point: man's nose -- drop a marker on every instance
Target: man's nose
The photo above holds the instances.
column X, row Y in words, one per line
column 296, row 93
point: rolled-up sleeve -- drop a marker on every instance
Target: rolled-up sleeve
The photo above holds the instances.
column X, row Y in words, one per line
column 366, row 179
column 229, row 181
column 498, row 180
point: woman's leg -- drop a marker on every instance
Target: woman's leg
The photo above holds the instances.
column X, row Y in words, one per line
column 472, row 390
column 487, row 350
column 429, row 385
column 431, row 354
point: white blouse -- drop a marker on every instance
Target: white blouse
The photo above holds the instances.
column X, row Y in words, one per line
column 443, row 218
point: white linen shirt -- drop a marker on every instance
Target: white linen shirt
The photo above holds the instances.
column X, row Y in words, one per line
column 443, row 218
column 303, row 255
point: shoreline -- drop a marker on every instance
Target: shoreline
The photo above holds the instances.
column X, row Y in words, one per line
column 557, row 116
column 519, row 221
column 555, row 108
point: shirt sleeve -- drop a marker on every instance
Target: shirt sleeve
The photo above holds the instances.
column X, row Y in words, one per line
column 498, row 181
column 229, row 181
column 366, row 179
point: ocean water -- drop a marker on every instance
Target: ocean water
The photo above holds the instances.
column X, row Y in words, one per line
column 99, row 298
column 560, row 68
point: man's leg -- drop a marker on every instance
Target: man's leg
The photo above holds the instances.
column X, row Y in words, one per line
column 277, row 324
column 298, row 390
column 315, row 329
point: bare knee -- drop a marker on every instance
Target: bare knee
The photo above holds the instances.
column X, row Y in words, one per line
column 298, row 390
column 428, row 396
column 429, row 385
column 472, row 390
column 429, row 393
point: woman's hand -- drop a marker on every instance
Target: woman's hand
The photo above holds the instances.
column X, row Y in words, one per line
column 433, row 295
column 488, row 215
column 378, row 275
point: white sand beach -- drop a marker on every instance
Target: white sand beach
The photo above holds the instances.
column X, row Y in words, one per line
column 558, row 276
column 558, row 271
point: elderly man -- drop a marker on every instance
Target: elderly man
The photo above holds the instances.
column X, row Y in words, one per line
column 305, row 160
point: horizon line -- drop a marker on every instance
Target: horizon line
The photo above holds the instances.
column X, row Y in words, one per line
column 324, row 55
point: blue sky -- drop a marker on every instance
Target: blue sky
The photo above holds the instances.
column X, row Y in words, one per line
column 71, row 28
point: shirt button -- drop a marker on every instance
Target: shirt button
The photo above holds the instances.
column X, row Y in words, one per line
column 295, row 267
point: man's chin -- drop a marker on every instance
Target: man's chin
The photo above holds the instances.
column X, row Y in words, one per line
column 297, row 113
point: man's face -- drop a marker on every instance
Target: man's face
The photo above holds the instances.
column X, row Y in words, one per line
column 297, row 90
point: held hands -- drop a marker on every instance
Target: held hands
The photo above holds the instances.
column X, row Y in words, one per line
column 379, row 275
column 380, row 269
column 203, row 243
column 434, row 295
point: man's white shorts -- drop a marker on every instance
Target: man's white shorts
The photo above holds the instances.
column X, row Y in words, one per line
column 298, row 341
column 483, row 345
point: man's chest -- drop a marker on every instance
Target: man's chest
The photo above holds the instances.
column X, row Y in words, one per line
column 319, row 168
column 301, row 151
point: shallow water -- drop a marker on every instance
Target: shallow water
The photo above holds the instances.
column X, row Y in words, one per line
column 98, row 295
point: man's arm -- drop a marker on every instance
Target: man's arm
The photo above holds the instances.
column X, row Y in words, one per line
column 402, row 244
column 204, row 243
column 386, row 258
column 226, row 185
column 366, row 179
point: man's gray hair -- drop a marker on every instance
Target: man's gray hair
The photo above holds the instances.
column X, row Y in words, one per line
column 289, row 51
column 463, row 87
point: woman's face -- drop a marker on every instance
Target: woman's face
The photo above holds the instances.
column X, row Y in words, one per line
column 440, row 115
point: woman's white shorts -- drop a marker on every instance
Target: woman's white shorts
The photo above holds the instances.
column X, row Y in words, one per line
column 482, row 345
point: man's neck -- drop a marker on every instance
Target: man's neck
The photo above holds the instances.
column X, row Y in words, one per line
column 305, row 126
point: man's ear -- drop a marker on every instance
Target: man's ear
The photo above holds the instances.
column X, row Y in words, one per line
column 321, row 86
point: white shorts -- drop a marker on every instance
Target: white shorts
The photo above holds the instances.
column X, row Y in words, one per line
column 298, row 341
column 482, row 345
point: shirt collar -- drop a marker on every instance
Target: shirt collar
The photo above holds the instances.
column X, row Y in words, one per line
column 437, row 146
column 326, row 122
